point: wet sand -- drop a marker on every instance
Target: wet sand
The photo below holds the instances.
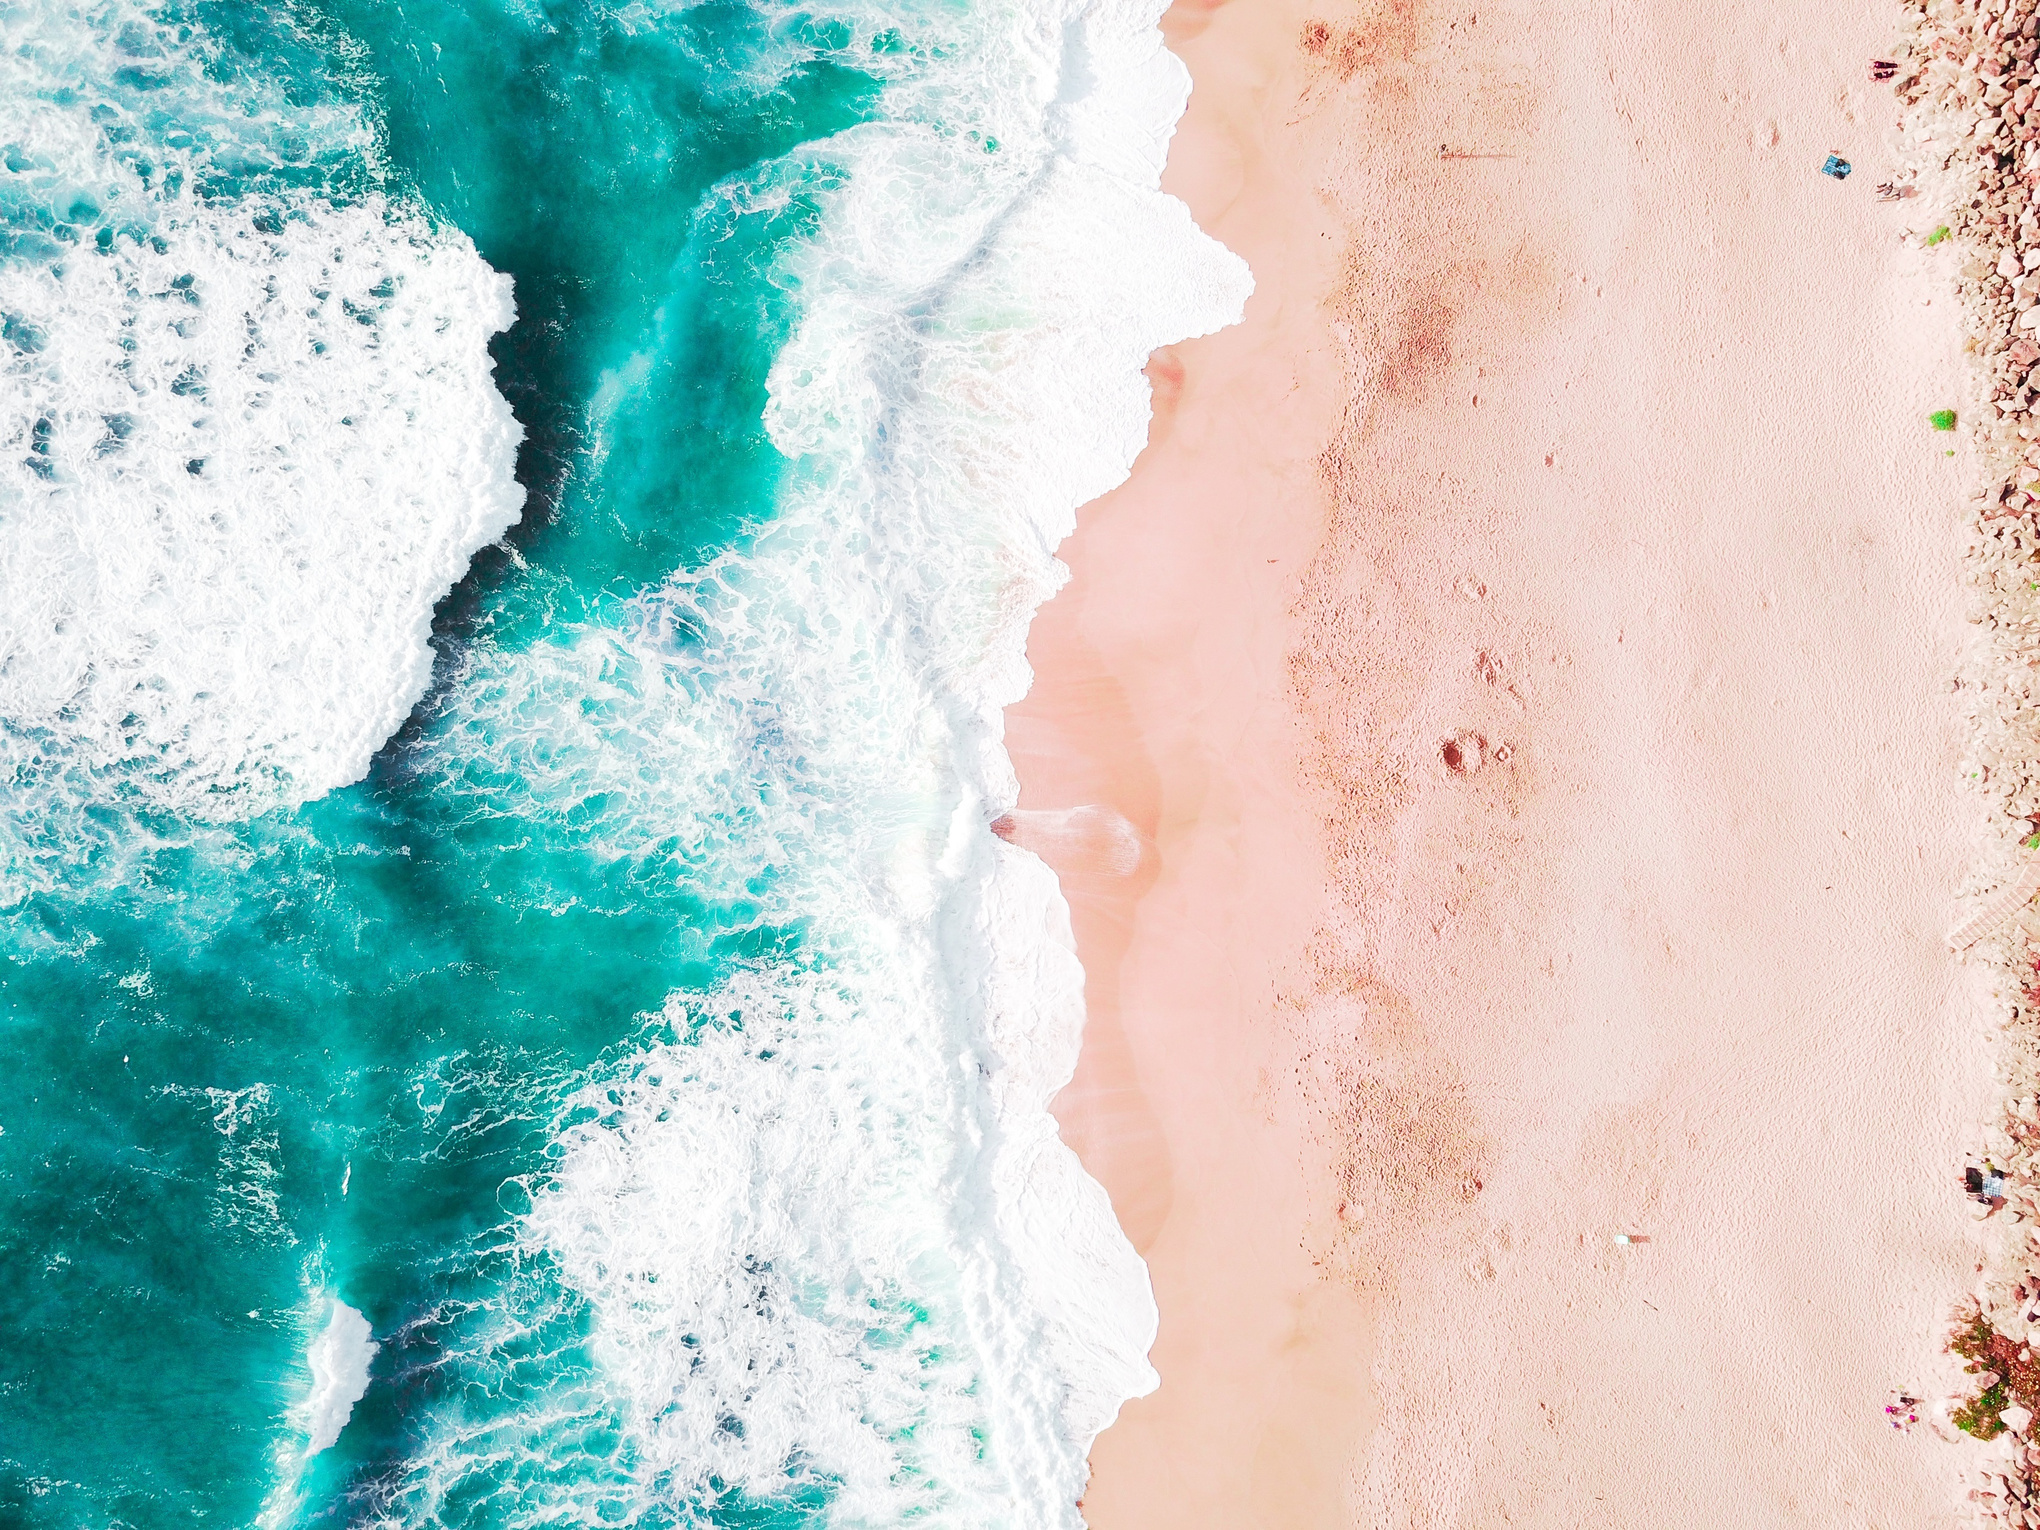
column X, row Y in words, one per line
column 1525, row 652
column 1162, row 692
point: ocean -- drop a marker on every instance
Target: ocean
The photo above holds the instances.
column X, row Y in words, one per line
column 517, row 522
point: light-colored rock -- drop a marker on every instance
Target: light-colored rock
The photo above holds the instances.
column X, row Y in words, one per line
column 2016, row 1417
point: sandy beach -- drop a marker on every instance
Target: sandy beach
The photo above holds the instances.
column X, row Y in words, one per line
column 1526, row 654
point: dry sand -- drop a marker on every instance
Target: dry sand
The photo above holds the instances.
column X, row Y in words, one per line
column 1597, row 450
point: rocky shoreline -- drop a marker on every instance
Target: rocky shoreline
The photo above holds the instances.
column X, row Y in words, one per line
column 1969, row 150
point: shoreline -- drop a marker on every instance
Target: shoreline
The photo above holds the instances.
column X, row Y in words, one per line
column 1160, row 702
column 1555, row 840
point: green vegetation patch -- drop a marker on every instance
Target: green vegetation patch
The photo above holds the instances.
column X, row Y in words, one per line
column 1942, row 419
column 1979, row 1416
column 2006, row 1377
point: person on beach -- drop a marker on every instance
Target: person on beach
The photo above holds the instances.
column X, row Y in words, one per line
column 1986, row 1185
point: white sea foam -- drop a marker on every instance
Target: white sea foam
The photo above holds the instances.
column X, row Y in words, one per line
column 750, row 1210
column 245, row 1197
column 826, row 1234
column 246, row 443
column 1019, row 396
column 339, row 1358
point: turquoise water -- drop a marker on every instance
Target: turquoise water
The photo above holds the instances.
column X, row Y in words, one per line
column 382, row 982
column 617, row 1044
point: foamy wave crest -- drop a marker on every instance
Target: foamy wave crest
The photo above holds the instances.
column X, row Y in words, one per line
column 765, row 1225
column 339, row 1350
column 248, row 434
column 339, row 1358
column 802, row 1262
column 969, row 370
column 831, row 1253
column 751, row 1211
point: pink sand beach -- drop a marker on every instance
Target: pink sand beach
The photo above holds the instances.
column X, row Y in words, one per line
column 1524, row 653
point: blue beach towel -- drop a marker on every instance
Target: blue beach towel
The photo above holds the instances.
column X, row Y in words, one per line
column 1837, row 167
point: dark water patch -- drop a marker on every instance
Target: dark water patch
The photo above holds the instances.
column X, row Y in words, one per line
column 583, row 156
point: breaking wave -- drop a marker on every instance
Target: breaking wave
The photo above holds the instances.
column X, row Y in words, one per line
column 798, row 1238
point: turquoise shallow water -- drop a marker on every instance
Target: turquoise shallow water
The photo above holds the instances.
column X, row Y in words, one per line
column 587, row 1067
column 202, row 1036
